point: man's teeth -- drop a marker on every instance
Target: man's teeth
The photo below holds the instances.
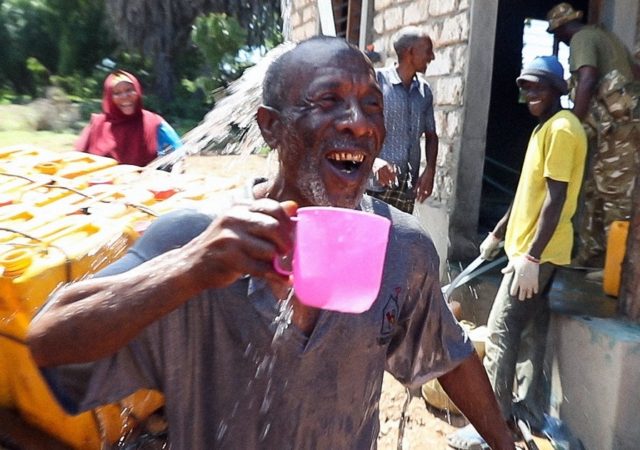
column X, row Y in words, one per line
column 348, row 157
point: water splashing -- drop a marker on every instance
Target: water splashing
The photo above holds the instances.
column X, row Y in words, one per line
column 265, row 431
column 230, row 127
column 222, row 429
column 284, row 316
column 285, row 11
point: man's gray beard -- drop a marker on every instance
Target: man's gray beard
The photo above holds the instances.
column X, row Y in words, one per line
column 315, row 191
column 312, row 187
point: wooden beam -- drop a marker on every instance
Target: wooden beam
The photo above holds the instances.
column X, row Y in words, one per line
column 353, row 21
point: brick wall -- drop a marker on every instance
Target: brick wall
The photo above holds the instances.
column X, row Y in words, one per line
column 304, row 19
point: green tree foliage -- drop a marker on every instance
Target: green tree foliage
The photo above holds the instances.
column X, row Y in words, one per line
column 25, row 33
column 82, row 34
column 65, row 37
column 179, row 60
column 218, row 38
column 160, row 29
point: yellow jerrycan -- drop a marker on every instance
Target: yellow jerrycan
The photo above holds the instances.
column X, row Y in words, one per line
column 616, row 249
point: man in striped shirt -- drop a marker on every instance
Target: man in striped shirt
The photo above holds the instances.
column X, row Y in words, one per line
column 408, row 114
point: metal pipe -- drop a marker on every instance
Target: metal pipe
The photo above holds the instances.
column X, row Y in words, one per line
column 501, row 166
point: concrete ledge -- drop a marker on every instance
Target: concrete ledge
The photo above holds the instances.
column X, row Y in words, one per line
column 435, row 219
column 595, row 364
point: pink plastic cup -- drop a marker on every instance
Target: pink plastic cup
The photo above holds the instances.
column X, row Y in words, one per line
column 338, row 258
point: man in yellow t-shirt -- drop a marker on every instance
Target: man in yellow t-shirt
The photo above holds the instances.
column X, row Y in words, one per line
column 538, row 237
column 607, row 100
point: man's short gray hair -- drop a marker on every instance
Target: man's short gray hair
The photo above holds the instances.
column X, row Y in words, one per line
column 405, row 38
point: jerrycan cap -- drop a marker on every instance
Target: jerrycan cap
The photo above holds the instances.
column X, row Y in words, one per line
column 47, row 167
column 14, row 262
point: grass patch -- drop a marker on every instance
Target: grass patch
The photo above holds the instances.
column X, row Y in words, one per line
column 47, row 140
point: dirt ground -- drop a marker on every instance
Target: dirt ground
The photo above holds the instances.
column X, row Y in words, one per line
column 426, row 427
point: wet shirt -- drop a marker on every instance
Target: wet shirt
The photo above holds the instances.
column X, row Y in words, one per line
column 556, row 150
column 408, row 114
column 593, row 46
column 229, row 384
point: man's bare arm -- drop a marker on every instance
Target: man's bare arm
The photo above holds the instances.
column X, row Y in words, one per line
column 587, row 81
column 468, row 387
column 94, row 318
column 424, row 186
column 549, row 216
column 501, row 227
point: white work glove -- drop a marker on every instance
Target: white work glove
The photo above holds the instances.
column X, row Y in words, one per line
column 525, row 277
column 489, row 247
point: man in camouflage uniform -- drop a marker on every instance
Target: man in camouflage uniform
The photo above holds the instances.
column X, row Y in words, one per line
column 605, row 95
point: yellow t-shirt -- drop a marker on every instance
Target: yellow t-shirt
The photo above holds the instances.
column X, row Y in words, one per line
column 556, row 150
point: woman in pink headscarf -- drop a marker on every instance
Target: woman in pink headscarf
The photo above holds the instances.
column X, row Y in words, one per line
column 124, row 131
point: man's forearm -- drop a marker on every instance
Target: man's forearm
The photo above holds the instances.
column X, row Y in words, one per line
column 431, row 150
column 587, row 81
column 94, row 318
column 501, row 227
column 468, row 387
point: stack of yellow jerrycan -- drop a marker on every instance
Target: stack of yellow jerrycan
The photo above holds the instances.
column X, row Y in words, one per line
column 64, row 216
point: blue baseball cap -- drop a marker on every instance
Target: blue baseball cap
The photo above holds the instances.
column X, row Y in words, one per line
column 546, row 68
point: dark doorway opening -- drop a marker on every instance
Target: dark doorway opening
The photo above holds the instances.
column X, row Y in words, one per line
column 509, row 124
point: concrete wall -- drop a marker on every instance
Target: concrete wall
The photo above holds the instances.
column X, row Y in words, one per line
column 595, row 387
column 465, row 208
column 304, row 19
column 620, row 16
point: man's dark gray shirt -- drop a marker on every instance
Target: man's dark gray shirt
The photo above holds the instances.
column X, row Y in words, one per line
column 229, row 384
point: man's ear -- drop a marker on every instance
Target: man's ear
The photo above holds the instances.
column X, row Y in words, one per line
column 270, row 125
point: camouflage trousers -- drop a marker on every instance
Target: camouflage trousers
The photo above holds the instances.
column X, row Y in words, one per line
column 608, row 188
